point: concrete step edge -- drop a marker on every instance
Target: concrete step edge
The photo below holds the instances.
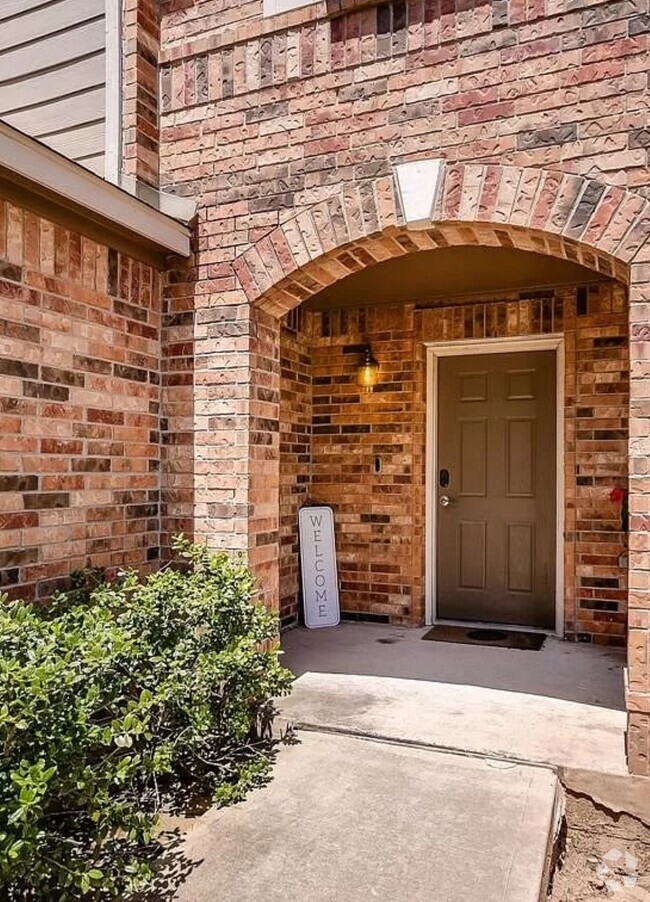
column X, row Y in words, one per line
column 283, row 725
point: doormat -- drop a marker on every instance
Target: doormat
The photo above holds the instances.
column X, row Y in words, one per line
column 495, row 637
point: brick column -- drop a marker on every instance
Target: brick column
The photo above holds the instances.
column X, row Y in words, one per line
column 236, row 432
column 177, row 414
column 264, row 454
column 141, row 133
column 638, row 689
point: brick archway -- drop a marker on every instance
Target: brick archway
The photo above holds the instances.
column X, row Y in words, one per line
column 602, row 227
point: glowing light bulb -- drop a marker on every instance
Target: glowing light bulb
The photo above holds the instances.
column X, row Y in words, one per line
column 368, row 373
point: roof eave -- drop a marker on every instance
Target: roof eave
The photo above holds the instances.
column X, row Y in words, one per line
column 49, row 174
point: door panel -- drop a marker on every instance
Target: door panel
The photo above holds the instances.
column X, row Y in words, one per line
column 496, row 536
column 472, row 553
column 520, row 458
column 473, row 458
column 520, row 566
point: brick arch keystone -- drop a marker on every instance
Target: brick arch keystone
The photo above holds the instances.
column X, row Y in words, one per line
column 600, row 226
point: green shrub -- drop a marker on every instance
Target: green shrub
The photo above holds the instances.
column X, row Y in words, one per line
column 116, row 701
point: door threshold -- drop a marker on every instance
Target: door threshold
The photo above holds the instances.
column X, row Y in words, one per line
column 482, row 625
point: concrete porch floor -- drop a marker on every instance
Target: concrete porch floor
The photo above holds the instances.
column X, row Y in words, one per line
column 423, row 768
column 563, row 705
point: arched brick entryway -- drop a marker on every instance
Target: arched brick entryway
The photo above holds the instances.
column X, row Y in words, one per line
column 603, row 228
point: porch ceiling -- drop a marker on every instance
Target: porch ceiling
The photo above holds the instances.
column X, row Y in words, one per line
column 449, row 272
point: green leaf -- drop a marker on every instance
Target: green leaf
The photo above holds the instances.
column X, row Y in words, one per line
column 16, row 848
column 114, row 697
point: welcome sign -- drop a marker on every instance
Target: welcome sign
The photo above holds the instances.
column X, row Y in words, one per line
column 320, row 585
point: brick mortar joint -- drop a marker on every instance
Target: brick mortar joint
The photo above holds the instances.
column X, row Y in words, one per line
column 313, row 14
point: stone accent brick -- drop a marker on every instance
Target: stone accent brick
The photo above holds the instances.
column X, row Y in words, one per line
column 547, row 137
column 639, row 743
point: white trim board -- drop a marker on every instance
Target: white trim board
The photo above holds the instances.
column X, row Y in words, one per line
column 277, row 7
column 436, row 350
column 113, row 64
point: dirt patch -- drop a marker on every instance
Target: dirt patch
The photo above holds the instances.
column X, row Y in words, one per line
column 602, row 855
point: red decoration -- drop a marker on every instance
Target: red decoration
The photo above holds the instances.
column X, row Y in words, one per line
column 617, row 494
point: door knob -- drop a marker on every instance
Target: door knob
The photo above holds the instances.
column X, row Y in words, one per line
column 445, row 500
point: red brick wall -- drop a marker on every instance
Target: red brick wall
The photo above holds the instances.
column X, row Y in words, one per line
column 597, row 460
column 380, row 518
column 178, row 387
column 295, row 450
column 140, row 86
column 261, row 118
column 79, row 405
column 264, row 116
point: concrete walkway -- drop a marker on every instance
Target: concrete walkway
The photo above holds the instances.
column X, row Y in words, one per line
column 350, row 820
column 561, row 706
column 423, row 771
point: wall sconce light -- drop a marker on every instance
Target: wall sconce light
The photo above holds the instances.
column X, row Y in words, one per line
column 368, row 372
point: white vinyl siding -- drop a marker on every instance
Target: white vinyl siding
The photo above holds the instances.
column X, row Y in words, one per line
column 53, row 74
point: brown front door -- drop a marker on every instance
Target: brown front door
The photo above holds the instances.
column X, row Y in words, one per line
column 496, row 488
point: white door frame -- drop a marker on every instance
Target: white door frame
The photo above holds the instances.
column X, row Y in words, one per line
column 436, row 350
